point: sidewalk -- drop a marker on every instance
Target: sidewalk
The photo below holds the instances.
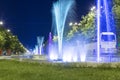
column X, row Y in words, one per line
column 5, row 57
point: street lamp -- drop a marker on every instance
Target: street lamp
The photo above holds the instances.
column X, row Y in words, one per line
column 8, row 30
column 1, row 23
column 70, row 24
column 93, row 8
column 76, row 23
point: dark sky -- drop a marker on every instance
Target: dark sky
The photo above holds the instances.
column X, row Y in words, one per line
column 31, row 18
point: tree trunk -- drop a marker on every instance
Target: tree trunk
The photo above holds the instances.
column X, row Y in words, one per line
column 8, row 52
column 0, row 52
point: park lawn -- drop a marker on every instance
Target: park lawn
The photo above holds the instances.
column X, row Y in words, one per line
column 15, row 70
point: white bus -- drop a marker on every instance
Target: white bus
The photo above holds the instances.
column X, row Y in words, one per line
column 108, row 42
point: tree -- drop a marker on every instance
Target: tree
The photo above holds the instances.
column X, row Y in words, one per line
column 2, row 39
column 85, row 29
column 9, row 42
column 116, row 10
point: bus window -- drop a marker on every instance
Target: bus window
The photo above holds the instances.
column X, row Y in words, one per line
column 108, row 38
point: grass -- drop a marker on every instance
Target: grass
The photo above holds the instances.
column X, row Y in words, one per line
column 15, row 70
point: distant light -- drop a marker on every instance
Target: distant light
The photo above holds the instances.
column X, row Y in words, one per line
column 8, row 30
column 70, row 24
column 76, row 23
column 13, row 36
column 93, row 8
column 1, row 23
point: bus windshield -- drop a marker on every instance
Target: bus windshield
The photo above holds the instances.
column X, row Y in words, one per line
column 108, row 38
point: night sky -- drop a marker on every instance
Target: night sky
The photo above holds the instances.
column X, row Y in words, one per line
column 31, row 18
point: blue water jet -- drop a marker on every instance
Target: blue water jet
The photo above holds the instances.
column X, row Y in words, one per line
column 60, row 12
column 39, row 46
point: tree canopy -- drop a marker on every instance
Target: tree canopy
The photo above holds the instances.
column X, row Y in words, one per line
column 85, row 29
column 116, row 10
column 8, row 41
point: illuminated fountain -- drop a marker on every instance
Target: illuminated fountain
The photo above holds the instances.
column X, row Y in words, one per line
column 60, row 12
column 77, row 50
column 66, row 51
column 39, row 46
column 52, row 55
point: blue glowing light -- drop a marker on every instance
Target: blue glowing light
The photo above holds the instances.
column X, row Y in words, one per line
column 39, row 47
column 107, row 41
column 60, row 11
column 98, row 28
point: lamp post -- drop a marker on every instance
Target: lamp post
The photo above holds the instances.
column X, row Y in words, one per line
column 93, row 8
